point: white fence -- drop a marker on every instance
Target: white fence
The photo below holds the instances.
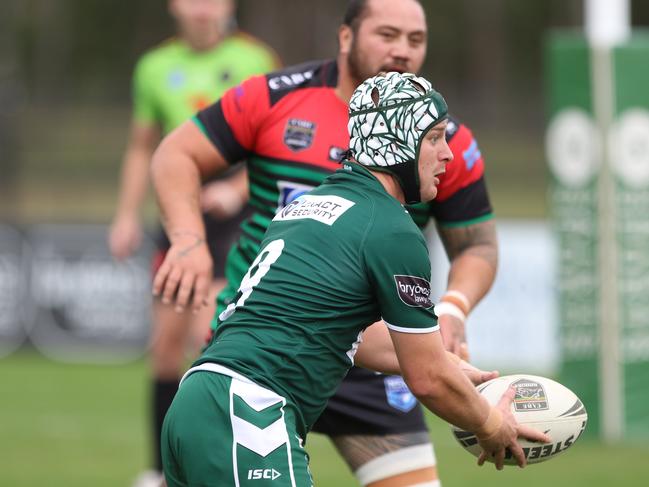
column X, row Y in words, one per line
column 515, row 328
column 61, row 291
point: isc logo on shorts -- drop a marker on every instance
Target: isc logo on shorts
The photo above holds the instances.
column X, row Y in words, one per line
column 263, row 473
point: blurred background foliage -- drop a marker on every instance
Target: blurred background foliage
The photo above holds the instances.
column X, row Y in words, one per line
column 65, row 69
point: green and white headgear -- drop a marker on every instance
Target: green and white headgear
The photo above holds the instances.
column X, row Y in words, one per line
column 389, row 115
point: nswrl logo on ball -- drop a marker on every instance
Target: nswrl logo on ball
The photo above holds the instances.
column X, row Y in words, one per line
column 530, row 395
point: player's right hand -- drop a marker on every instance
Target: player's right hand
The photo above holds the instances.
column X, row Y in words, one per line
column 124, row 236
column 500, row 437
column 476, row 375
column 185, row 274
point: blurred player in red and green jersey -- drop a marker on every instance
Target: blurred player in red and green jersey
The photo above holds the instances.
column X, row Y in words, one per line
column 172, row 82
column 291, row 127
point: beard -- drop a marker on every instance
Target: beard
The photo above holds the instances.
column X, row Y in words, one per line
column 359, row 69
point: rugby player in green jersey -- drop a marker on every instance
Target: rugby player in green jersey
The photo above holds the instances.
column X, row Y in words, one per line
column 290, row 127
column 333, row 261
column 171, row 83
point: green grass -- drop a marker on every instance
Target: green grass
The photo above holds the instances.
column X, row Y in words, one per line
column 71, row 425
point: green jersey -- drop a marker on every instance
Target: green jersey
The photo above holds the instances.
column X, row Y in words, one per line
column 332, row 262
column 174, row 81
column 291, row 128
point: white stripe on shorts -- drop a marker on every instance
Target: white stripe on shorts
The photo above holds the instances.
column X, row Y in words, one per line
column 218, row 369
column 261, row 441
column 246, row 434
column 397, row 462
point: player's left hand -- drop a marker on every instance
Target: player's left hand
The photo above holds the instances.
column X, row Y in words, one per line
column 454, row 336
column 506, row 434
column 476, row 375
column 185, row 274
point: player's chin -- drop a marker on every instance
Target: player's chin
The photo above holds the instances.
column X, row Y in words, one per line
column 430, row 194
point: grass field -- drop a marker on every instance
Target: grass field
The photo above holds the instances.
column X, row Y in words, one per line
column 70, row 425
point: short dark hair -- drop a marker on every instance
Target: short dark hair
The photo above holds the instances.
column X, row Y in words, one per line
column 356, row 10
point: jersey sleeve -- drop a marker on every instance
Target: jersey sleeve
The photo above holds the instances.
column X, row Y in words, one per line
column 144, row 106
column 462, row 196
column 399, row 271
column 232, row 123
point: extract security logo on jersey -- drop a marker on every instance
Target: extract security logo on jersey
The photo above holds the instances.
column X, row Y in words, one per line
column 413, row 291
column 323, row 208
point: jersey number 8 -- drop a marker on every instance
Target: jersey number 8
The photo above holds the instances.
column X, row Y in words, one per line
column 258, row 269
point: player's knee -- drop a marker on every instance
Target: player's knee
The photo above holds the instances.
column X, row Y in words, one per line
column 419, row 478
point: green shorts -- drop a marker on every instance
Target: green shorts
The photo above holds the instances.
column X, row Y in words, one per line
column 224, row 430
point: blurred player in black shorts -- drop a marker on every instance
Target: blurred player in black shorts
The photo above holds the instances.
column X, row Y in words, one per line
column 171, row 82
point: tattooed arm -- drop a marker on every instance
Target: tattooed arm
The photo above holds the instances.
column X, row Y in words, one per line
column 473, row 253
column 179, row 164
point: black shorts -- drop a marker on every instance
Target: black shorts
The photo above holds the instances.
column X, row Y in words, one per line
column 367, row 403
column 221, row 236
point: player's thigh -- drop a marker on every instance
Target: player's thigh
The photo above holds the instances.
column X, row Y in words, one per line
column 389, row 460
column 168, row 339
column 200, row 321
column 214, row 434
column 378, row 427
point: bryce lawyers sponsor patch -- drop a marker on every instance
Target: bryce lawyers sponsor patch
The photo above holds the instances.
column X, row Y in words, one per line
column 323, row 208
column 413, row 291
column 298, row 134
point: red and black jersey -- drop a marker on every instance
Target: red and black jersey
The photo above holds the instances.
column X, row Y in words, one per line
column 291, row 127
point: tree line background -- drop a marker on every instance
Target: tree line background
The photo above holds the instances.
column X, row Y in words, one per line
column 65, row 68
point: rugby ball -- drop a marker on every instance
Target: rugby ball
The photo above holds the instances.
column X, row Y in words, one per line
column 540, row 403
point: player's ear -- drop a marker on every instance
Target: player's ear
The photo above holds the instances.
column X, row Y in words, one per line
column 345, row 39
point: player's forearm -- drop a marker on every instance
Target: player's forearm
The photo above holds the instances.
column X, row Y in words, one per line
column 177, row 184
column 446, row 391
column 435, row 378
column 473, row 254
column 473, row 274
column 376, row 352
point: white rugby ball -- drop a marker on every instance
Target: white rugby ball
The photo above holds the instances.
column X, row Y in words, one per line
column 540, row 403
